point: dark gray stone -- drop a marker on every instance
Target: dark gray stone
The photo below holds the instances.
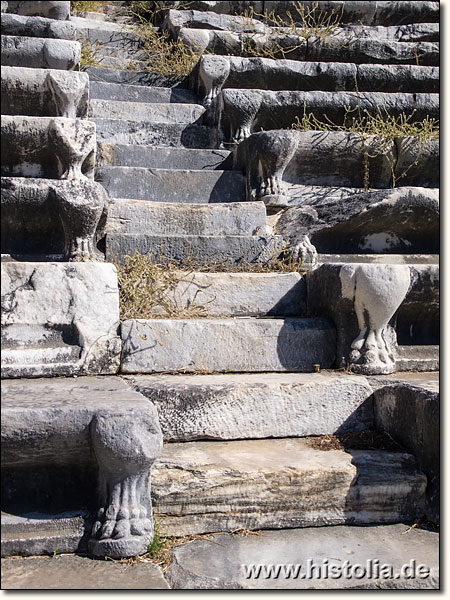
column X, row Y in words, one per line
column 322, row 555
column 160, row 157
column 52, row 10
column 166, row 185
column 235, row 345
column 410, row 414
column 116, row 131
column 147, row 78
column 40, row 53
column 80, row 573
column 48, row 147
column 419, row 358
column 240, row 112
column 139, row 93
column 147, row 112
column 391, row 221
column 50, row 217
column 44, row 92
column 257, row 405
column 37, row 27
column 176, row 19
column 203, row 249
column 77, row 421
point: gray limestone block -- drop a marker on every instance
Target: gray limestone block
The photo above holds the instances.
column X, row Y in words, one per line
column 45, row 219
column 411, row 415
column 78, row 572
column 257, row 405
column 101, row 421
column 161, row 218
column 170, row 185
column 413, row 32
column 393, row 221
column 51, row 10
column 240, row 112
column 176, row 19
column 358, row 296
column 329, row 558
column 418, row 162
column 59, row 319
column 368, row 50
column 240, row 344
column 117, row 131
column 144, row 78
column 201, row 487
column 37, row 27
column 160, row 157
column 142, row 111
column 235, row 295
column 198, row 249
column 44, row 92
column 397, row 78
column 139, row 93
column 48, row 147
column 40, row 53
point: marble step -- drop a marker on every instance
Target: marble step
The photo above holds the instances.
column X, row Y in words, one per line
column 146, row 112
column 172, row 185
column 227, row 345
column 146, row 78
column 202, row 487
column 173, row 218
column 326, row 558
column 263, row 405
column 118, row 131
column 162, row 157
column 138, row 93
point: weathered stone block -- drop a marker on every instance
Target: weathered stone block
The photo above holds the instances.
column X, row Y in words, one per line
column 362, row 300
column 40, row 53
column 37, row 27
column 190, row 345
column 410, row 414
column 200, row 487
column 239, row 112
column 176, row 19
column 48, row 147
column 140, row 93
column 257, row 405
column 92, row 421
column 142, row 111
column 59, row 319
column 44, row 217
column 50, row 9
column 44, row 93
column 169, row 218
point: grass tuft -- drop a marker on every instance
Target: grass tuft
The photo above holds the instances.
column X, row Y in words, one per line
column 80, row 6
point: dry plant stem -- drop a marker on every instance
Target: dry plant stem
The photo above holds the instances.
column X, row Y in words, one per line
column 80, row 6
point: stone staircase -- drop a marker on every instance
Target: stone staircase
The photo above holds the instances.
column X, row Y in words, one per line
column 266, row 395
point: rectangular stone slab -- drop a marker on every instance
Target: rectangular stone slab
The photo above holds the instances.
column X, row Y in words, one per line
column 172, row 185
column 116, row 131
column 37, row 27
column 197, row 249
column 260, row 405
column 139, row 93
column 200, row 487
column 40, row 53
column 44, row 92
column 53, row 10
column 240, row 344
column 60, row 319
column 170, row 218
column 159, row 112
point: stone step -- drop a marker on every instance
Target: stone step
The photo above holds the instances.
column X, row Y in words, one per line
column 147, row 78
column 172, row 185
column 40, row 53
column 124, row 62
column 86, row 24
column 418, row 358
column 263, row 405
column 202, row 487
column 163, row 157
column 234, row 295
column 146, row 112
column 40, row 533
column 139, row 93
column 195, row 251
column 396, row 259
column 118, row 131
column 337, row 557
column 235, row 345
column 169, row 218
column 72, row 572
